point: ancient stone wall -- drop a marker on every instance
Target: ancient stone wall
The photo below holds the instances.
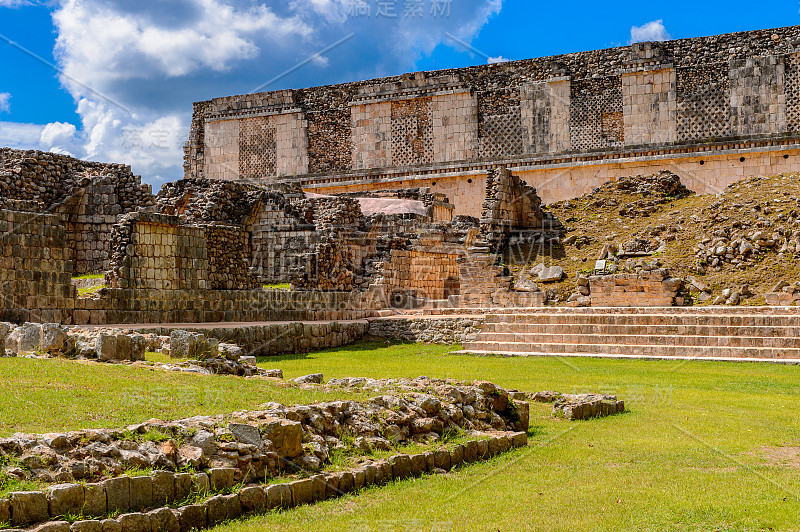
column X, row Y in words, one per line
column 429, row 269
column 121, row 306
column 447, row 330
column 646, row 289
column 90, row 196
column 159, row 252
column 531, row 114
column 35, row 268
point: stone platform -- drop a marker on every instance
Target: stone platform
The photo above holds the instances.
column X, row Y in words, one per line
column 264, row 338
column 708, row 333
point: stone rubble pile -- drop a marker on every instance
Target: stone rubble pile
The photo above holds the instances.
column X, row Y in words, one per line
column 581, row 406
column 272, row 440
column 784, row 294
column 740, row 250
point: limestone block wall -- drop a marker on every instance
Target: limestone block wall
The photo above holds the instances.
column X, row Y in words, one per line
column 445, row 330
column 278, row 240
column 89, row 195
column 544, row 111
column 425, row 271
column 256, row 147
column 126, row 306
column 158, row 252
column 649, row 106
column 35, row 268
column 372, row 133
column 647, row 289
column 758, row 95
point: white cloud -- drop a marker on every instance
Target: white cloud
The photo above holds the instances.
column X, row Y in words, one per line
column 18, row 135
column 57, row 133
column 5, row 104
column 652, row 31
column 146, row 62
column 14, row 3
column 498, row 59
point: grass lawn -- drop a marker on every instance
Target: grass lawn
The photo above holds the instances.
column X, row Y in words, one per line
column 705, row 446
column 57, row 395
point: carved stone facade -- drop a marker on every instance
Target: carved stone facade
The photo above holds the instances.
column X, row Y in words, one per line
column 564, row 124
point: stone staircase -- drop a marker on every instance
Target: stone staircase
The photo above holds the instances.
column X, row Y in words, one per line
column 683, row 332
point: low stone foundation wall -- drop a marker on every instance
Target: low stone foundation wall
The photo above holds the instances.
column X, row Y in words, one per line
column 445, row 330
column 281, row 338
column 648, row 289
column 122, row 306
column 32, row 507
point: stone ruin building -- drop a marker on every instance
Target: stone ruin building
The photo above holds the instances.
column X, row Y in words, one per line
column 401, row 192
column 711, row 109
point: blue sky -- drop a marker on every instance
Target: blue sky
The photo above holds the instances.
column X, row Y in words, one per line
column 130, row 70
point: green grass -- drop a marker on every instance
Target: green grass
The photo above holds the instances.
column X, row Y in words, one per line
column 57, row 395
column 691, row 453
column 89, row 276
column 89, row 290
column 152, row 356
column 278, row 286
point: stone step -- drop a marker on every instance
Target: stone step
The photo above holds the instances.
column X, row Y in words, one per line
column 793, row 311
column 638, row 350
column 750, row 320
column 509, row 354
column 641, row 329
column 643, row 339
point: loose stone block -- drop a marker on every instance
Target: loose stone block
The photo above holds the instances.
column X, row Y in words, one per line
column 53, row 526
column 192, row 517
column 221, row 478
column 519, row 439
column 279, row 496
column 385, row 473
column 93, row 525
column 286, row 437
column 302, row 491
column 346, row 481
column 470, row 451
column 5, row 511
column 441, row 459
column 332, row 485
column 401, row 466
column 106, row 347
column 141, row 490
column 118, row 493
column 200, row 483
column 253, row 499
column 163, row 520
column 163, row 487
column 503, row 444
column 359, row 479
column 417, row 464
column 135, row 522
column 28, row 507
column 483, row 449
column 65, row 499
column 494, row 445
column 183, row 486
column 217, row 510
column 318, row 487
column 456, row 456
column 94, row 500
column 111, row 525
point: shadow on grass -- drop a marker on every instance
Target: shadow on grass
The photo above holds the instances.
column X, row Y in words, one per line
column 355, row 348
